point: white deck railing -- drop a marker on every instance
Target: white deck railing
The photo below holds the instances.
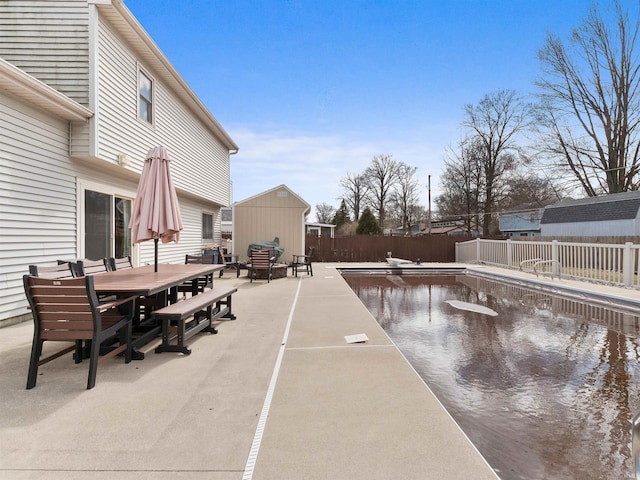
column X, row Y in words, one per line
column 614, row 264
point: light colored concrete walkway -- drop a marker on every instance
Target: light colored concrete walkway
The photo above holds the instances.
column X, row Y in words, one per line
column 333, row 410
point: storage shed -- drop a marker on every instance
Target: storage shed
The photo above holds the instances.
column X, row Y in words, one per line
column 278, row 212
column 604, row 216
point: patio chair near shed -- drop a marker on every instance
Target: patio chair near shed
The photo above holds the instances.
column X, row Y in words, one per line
column 261, row 261
column 68, row 310
column 303, row 262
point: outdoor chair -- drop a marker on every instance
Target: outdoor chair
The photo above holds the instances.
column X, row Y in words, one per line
column 91, row 267
column 120, row 263
column 201, row 283
column 61, row 270
column 68, row 310
column 261, row 260
column 303, row 261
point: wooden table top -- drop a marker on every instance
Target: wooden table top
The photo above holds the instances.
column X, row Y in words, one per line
column 145, row 282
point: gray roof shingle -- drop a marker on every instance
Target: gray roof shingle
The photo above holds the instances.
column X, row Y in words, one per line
column 618, row 206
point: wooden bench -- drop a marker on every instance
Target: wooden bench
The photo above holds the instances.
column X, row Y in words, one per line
column 213, row 304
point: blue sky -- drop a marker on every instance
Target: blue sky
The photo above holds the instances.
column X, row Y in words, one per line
column 312, row 90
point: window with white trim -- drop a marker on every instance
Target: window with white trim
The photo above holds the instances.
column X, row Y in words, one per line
column 207, row 226
column 145, row 97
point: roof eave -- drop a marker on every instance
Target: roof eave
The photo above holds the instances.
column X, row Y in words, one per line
column 22, row 85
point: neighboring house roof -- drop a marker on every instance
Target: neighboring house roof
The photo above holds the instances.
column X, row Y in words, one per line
column 617, row 206
column 279, row 187
column 130, row 29
column 22, row 85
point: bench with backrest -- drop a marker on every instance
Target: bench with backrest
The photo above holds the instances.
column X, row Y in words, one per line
column 213, row 304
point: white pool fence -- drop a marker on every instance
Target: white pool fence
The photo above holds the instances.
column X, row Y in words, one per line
column 613, row 264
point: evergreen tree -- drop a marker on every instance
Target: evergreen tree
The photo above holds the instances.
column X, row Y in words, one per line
column 368, row 225
column 342, row 215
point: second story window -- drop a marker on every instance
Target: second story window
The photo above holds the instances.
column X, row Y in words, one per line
column 145, row 101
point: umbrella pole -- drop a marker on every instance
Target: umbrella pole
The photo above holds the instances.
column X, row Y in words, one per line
column 155, row 255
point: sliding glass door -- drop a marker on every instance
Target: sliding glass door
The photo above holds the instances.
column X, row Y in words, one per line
column 106, row 225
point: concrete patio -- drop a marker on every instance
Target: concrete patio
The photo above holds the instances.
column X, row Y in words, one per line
column 276, row 394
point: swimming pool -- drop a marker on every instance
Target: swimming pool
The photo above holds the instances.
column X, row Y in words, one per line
column 545, row 389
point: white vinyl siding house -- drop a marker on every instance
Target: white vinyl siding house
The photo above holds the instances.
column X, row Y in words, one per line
column 38, row 189
column 49, row 40
column 69, row 111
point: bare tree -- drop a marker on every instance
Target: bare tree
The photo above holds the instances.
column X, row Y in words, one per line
column 381, row 176
column 324, row 213
column 405, row 195
column 355, row 190
column 495, row 123
column 531, row 191
column 462, row 184
column 590, row 103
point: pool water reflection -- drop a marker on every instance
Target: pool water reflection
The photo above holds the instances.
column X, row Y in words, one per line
column 545, row 390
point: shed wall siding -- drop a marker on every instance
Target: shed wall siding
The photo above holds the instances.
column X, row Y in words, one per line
column 37, row 198
column 49, row 40
column 257, row 224
column 200, row 161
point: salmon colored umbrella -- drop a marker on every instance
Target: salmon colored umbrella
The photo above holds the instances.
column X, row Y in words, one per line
column 156, row 212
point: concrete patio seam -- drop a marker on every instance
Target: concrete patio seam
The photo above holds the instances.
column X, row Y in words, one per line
column 262, row 421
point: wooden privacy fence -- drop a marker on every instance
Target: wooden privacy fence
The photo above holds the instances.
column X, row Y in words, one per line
column 374, row 248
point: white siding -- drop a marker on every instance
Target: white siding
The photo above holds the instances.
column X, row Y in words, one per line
column 619, row 228
column 200, row 162
column 49, row 40
column 41, row 184
column 37, row 198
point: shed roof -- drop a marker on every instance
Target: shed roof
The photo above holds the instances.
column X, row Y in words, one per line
column 616, row 206
column 283, row 187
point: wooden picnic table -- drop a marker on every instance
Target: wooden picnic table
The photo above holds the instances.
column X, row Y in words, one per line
column 145, row 282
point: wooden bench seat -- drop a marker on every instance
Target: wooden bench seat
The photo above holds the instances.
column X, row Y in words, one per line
column 212, row 304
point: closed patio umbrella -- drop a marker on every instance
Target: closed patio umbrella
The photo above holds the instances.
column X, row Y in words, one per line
column 156, row 212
